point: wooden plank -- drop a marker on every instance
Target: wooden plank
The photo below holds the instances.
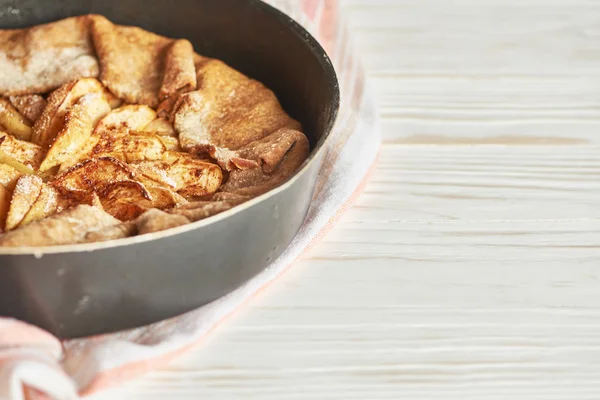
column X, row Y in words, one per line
column 427, row 128
column 499, row 183
column 479, row 38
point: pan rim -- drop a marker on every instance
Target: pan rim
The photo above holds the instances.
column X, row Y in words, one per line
column 316, row 50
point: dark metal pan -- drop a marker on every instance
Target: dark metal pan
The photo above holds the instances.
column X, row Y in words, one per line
column 80, row 290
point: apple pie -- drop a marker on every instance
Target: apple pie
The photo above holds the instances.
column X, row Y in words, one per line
column 110, row 131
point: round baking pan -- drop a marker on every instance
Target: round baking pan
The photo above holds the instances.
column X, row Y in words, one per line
column 87, row 289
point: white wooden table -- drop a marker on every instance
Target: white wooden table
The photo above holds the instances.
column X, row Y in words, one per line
column 470, row 268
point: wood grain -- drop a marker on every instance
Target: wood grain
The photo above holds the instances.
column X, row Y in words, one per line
column 517, row 72
column 470, row 266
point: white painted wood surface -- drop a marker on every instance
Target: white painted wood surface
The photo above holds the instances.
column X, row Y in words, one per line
column 470, row 268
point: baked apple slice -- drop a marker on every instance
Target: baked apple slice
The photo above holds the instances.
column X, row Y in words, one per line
column 186, row 175
column 22, row 152
column 79, row 124
column 130, row 146
column 31, row 106
column 116, row 123
column 126, row 118
column 126, row 200
column 92, row 175
column 9, row 176
column 60, row 102
column 45, row 205
column 12, row 122
column 161, row 127
column 25, row 194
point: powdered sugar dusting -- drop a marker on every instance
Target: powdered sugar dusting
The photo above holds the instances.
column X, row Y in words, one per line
column 30, row 63
column 29, row 185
